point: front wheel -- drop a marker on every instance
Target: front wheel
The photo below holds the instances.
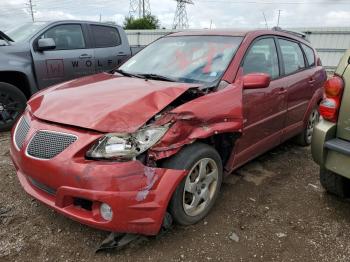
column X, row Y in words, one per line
column 198, row 191
column 12, row 104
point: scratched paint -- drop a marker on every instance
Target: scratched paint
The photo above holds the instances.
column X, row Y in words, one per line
column 152, row 177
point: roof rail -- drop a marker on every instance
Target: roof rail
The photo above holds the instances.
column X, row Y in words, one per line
column 298, row 34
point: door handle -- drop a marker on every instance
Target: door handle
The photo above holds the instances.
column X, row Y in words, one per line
column 281, row 91
column 85, row 56
column 312, row 80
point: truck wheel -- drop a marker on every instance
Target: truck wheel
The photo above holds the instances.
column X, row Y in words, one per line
column 12, row 104
column 305, row 138
column 198, row 191
column 334, row 183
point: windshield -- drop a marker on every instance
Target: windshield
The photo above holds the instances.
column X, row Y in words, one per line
column 24, row 31
column 190, row 59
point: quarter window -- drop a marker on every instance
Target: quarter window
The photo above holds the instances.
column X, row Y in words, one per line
column 105, row 36
column 292, row 55
column 262, row 58
column 310, row 55
column 66, row 37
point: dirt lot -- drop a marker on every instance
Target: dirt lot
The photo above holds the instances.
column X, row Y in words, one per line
column 273, row 209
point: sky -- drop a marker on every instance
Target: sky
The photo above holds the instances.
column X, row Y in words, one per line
column 203, row 14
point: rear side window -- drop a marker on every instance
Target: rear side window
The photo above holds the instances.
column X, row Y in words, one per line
column 262, row 58
column 105, row 36
column 292, row 55
column 310, row 55
column 67, row 37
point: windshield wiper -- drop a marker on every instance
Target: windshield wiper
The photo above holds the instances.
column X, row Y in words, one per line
column 124, row 73
column 5, row 37
column 158, row 77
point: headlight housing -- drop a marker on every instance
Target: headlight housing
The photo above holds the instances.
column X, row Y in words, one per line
column 126, row 146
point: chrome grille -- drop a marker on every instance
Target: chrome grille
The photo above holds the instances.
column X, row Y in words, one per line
column 21, row 132
column 48, row 144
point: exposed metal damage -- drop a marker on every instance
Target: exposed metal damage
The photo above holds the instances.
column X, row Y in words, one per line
column 200, row 118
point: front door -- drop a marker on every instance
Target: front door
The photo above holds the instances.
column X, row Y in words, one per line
column 264, row 110
column 70, row 59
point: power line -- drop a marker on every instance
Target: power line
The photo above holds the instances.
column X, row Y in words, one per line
column 276, row 3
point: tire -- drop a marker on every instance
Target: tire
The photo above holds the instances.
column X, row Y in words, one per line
column 191, row 205
column 334, row 183
column 12, row 104
column 305, row 137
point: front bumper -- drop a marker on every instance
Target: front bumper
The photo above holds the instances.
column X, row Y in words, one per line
column 138, row 194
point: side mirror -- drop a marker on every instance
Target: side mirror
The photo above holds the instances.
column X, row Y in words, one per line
column 46, row 44
column 256, row 81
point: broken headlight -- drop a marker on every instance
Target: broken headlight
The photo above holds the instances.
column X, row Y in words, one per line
column 126, row 146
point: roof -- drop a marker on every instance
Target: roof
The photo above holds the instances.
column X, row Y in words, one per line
column 242, row 33
column 218, row 32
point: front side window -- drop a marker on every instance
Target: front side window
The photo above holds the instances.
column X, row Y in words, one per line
column 66, row 37
column 262, row 58
column 292, row 55
column 190, row 59
column 310, row 55
column 105, row 36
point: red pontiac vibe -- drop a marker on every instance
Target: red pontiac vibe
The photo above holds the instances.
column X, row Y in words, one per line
column 118, row 151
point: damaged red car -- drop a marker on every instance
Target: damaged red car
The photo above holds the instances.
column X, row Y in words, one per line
column 120, row 151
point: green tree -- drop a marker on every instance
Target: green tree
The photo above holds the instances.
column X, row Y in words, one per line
column 147, row 22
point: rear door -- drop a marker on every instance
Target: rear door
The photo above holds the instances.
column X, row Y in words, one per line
column 264, row 109
column 299, row 83
column 72, row 57
column 109, row 49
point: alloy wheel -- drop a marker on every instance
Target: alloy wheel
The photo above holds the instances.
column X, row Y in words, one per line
column 313, row 120
column 10, row 108
column 200, row 186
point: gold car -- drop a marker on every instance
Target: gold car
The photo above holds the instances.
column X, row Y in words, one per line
column 331, row 137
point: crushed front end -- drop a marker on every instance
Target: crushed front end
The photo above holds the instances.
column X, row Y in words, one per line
column 52, row 167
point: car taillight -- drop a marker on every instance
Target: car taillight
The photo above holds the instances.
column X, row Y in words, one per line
column 330, row 104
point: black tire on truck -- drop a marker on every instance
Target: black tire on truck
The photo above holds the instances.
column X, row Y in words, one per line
column 334, row 183
column 12, row 104
column 197, row 192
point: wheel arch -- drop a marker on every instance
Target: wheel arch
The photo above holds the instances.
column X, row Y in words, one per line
column 17, row 79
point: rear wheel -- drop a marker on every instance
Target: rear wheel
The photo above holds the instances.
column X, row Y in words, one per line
column 198, row 191
column 12, row 104
column 305, row 138
column 334, row 183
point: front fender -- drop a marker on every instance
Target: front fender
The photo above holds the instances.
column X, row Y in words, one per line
column 215, row 113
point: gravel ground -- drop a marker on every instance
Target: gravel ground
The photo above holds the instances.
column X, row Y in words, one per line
column 272, row 209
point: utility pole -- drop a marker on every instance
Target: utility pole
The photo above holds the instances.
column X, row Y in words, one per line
column 31, row 9
column 143, row 8
column 100, row 18
column 279, row 14
column 266, row 24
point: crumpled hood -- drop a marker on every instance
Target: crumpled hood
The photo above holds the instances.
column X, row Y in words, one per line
column 105, row 102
